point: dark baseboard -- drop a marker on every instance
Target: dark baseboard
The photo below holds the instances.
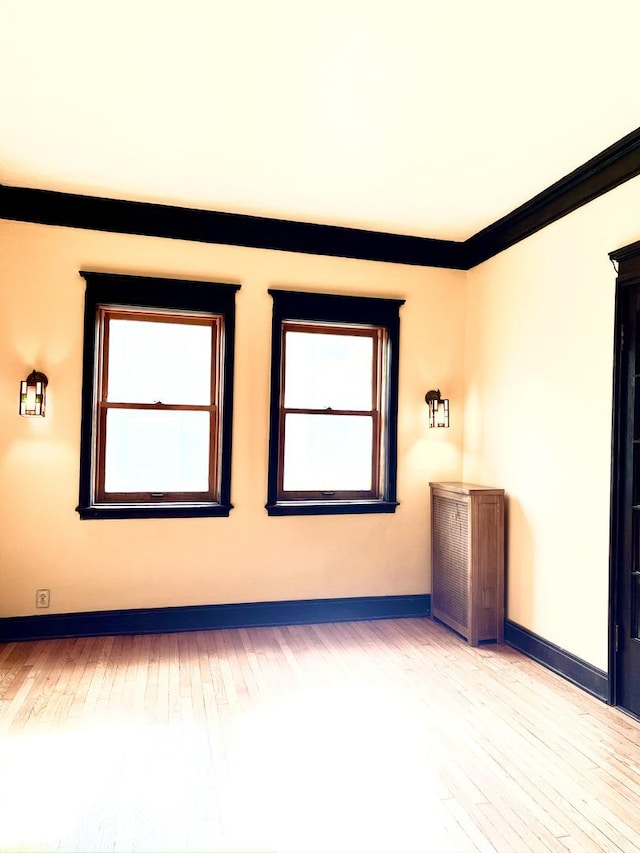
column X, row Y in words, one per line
column 160, row 620
column 579, row 672
column 205, row 617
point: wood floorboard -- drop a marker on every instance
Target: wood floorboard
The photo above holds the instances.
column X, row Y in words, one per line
column 366, row 737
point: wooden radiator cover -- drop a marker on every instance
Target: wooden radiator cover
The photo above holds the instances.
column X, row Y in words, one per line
column 467, row 559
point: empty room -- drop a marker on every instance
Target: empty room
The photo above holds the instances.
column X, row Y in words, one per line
column 318, row 360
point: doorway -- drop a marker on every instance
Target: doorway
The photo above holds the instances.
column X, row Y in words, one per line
column 624, row 616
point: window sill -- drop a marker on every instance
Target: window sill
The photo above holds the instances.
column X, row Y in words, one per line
column 330, row 507
column 154, row 511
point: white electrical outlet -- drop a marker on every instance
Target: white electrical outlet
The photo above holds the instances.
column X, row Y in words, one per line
column 42, row 597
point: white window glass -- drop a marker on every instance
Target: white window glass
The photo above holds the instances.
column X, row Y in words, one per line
column 151, row 362
column 327, row 453
column 152, row 451
column 328, row 371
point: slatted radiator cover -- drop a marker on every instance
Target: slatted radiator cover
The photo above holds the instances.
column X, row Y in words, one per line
column 467, row 541
column 450, row 531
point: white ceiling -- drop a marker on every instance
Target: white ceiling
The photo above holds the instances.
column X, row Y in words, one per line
column 409, row 116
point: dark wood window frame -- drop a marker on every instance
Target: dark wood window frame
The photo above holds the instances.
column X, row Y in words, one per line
column 375, row 317
column 165, row 300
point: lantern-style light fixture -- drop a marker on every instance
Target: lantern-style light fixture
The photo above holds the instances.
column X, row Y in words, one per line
column 33, row 393
column 438, row 409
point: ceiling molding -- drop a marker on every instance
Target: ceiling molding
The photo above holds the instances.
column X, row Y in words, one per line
column 626, row 262
column 626, row 252
column 607, row 170
column 207, row 226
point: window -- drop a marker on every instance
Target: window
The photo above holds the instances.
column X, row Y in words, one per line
column 157, row 397
column 334, row 400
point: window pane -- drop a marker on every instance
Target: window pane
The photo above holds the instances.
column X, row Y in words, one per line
column 325, row 370
column 153, row 362
column 149, row 451
column 327, row 453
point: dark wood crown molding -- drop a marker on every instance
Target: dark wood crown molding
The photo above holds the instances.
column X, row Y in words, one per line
column 48, row 207
column 626, row 262
column 626, row 253
column 607, row 170
column 612, row 167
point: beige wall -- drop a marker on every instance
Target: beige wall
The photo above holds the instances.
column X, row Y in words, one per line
column 91, row 565
column 538, row 414
column 526, row 356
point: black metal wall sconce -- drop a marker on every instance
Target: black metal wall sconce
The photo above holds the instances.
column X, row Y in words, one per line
column 438, row 409
column 33, row 395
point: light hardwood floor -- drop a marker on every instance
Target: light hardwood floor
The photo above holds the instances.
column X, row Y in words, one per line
column 369, row 736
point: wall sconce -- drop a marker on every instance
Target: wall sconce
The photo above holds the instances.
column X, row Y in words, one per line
column 438, row 409
column 33, row 393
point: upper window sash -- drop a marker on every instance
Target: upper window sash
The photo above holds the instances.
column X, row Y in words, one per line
column 296, row 337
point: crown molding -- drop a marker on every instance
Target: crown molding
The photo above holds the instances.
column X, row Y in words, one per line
column 607, row 170
column 48, row 207
column 626, row 253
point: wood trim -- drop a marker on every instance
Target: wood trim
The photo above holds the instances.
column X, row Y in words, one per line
column 560, row 661
column 616, row 164
column 289, row 309
column 181, row 295
column 628, row 258
column 158, row 407
column 156, row 510
column 212, row 616
column 118, row 216
column 627, row 253
column 617, row 475
column 302, row 612
column 359, row 506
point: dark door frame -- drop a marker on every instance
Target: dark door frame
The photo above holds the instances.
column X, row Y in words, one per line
column 628, row 260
